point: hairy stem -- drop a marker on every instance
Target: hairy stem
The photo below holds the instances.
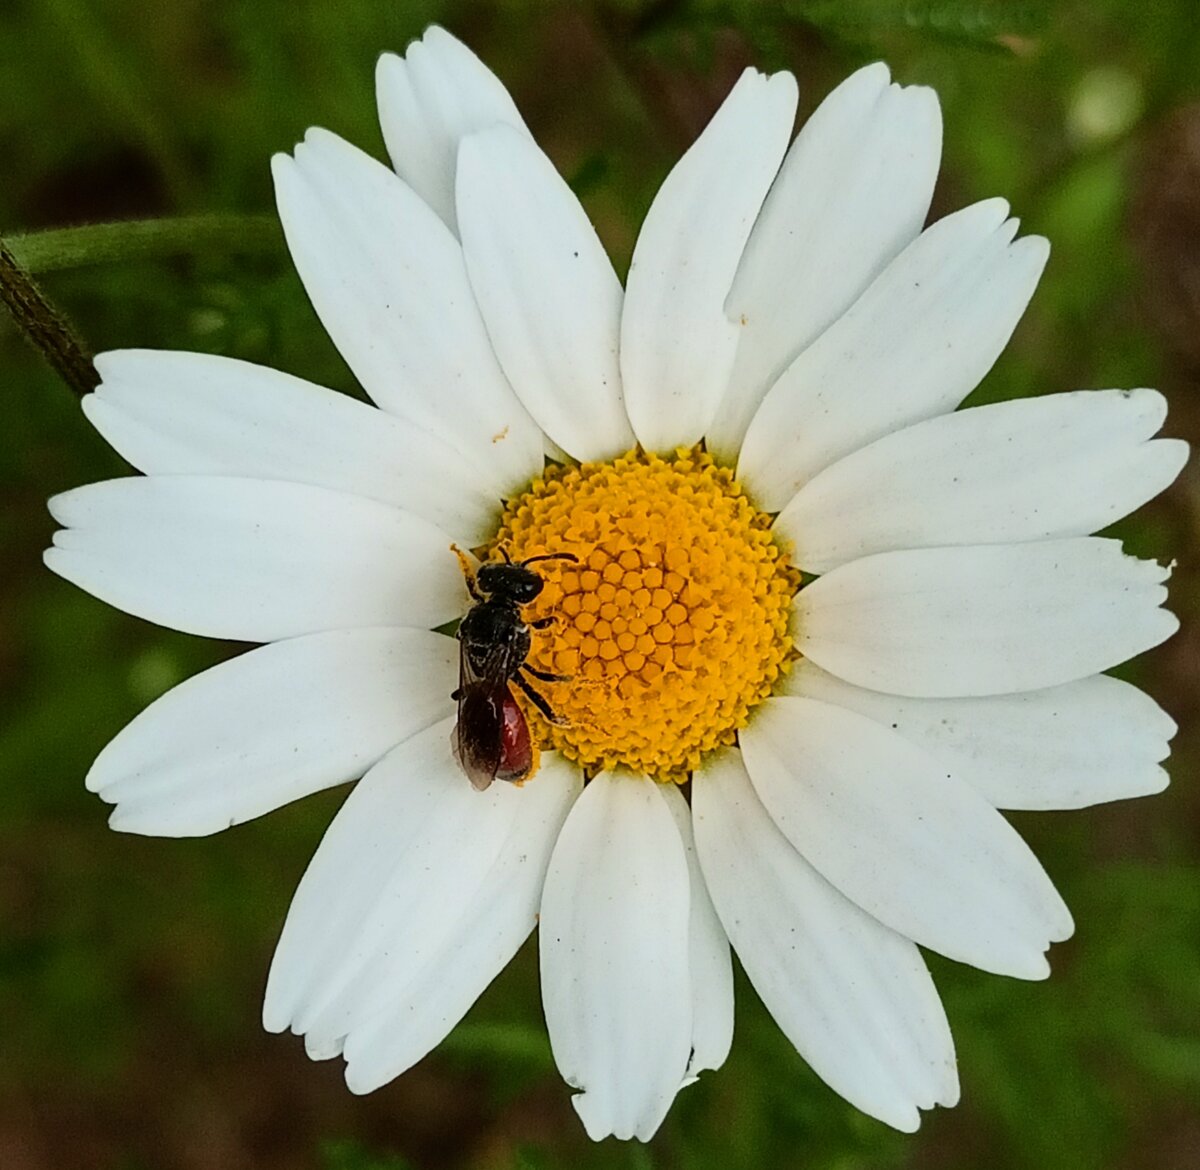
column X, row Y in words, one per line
column 45, row 327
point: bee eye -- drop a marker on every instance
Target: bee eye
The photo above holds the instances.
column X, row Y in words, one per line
column 529, row 589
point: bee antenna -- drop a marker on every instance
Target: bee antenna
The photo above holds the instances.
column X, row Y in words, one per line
column 559, row 556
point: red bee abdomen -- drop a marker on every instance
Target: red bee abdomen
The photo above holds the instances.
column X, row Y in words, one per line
column 516, row 751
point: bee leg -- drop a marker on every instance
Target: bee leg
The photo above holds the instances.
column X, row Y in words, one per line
column 544, row 675
column 538, row 701
column 464, row 563
column 543, row 622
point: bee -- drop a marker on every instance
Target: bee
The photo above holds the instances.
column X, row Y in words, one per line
column 491, row 738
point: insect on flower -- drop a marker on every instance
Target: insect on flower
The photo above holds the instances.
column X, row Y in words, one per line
column 824, row 626
column 491, row 738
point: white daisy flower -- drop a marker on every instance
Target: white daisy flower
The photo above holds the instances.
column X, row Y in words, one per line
column 774, row 390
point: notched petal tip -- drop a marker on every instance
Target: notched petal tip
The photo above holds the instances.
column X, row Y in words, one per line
column 785, row 87
column 1158, row 780
column 285, row 175
column 320, row 151
column 986, row 214
column 60, row 561
column 64, row 507
column 393, row 85
column 122, row 819
column 598, row 1121
column 950, row 1091
column 1165, row 727
column 320, row 141
column 276, row 1017
column 96, row 399
column 1034, row 250
column 100, row 775
column 106, row 365
column 359, row 1083
column 1029, row 965
column 749, row 76
column 919, row 103
column 58, row 506
column 1174, row 454
column 1035, row 970
column 905, row 1118
column 155, row 819
column 436, row 37
column 113, row 363
column 919, row 94
column 324, row 1047
column 1062, row 924
column 593, row 1125
column 780, row 86
column 68, row 540
column 136, row 367
column 878, row 73
column 318, row 136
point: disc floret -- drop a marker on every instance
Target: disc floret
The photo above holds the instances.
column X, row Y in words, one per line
column 673, row 624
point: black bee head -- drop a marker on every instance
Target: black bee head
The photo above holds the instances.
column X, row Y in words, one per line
column 512, row 583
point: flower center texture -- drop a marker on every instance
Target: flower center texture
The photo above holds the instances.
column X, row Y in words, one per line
column 673, row 624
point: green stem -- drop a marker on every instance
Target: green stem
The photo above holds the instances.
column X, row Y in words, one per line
column 44, row 326
column 145, row 239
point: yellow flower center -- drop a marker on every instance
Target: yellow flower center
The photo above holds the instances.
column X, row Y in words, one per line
column 672, row 625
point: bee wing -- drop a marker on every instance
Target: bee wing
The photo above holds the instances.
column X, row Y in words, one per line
column 477, row 737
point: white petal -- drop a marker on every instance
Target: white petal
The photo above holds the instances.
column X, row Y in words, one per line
column 913, row 346
column 419, row 894
column 983, row 619
column 677, row 344
column 489, row 924
column 895, row 832
column 387, row 279
column 395, row 821
column 711, row 968
column 429, row 100
column 316, row 1049
column 1063, row 465
column 253, row 560
column 853, row 996
column 614, row 939
column 199, row 414
column 1069, row 746
column 852, row 192
column 548, row 292
column 271, row 726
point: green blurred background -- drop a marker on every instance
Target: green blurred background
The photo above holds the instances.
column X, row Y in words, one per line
column 131, row 970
